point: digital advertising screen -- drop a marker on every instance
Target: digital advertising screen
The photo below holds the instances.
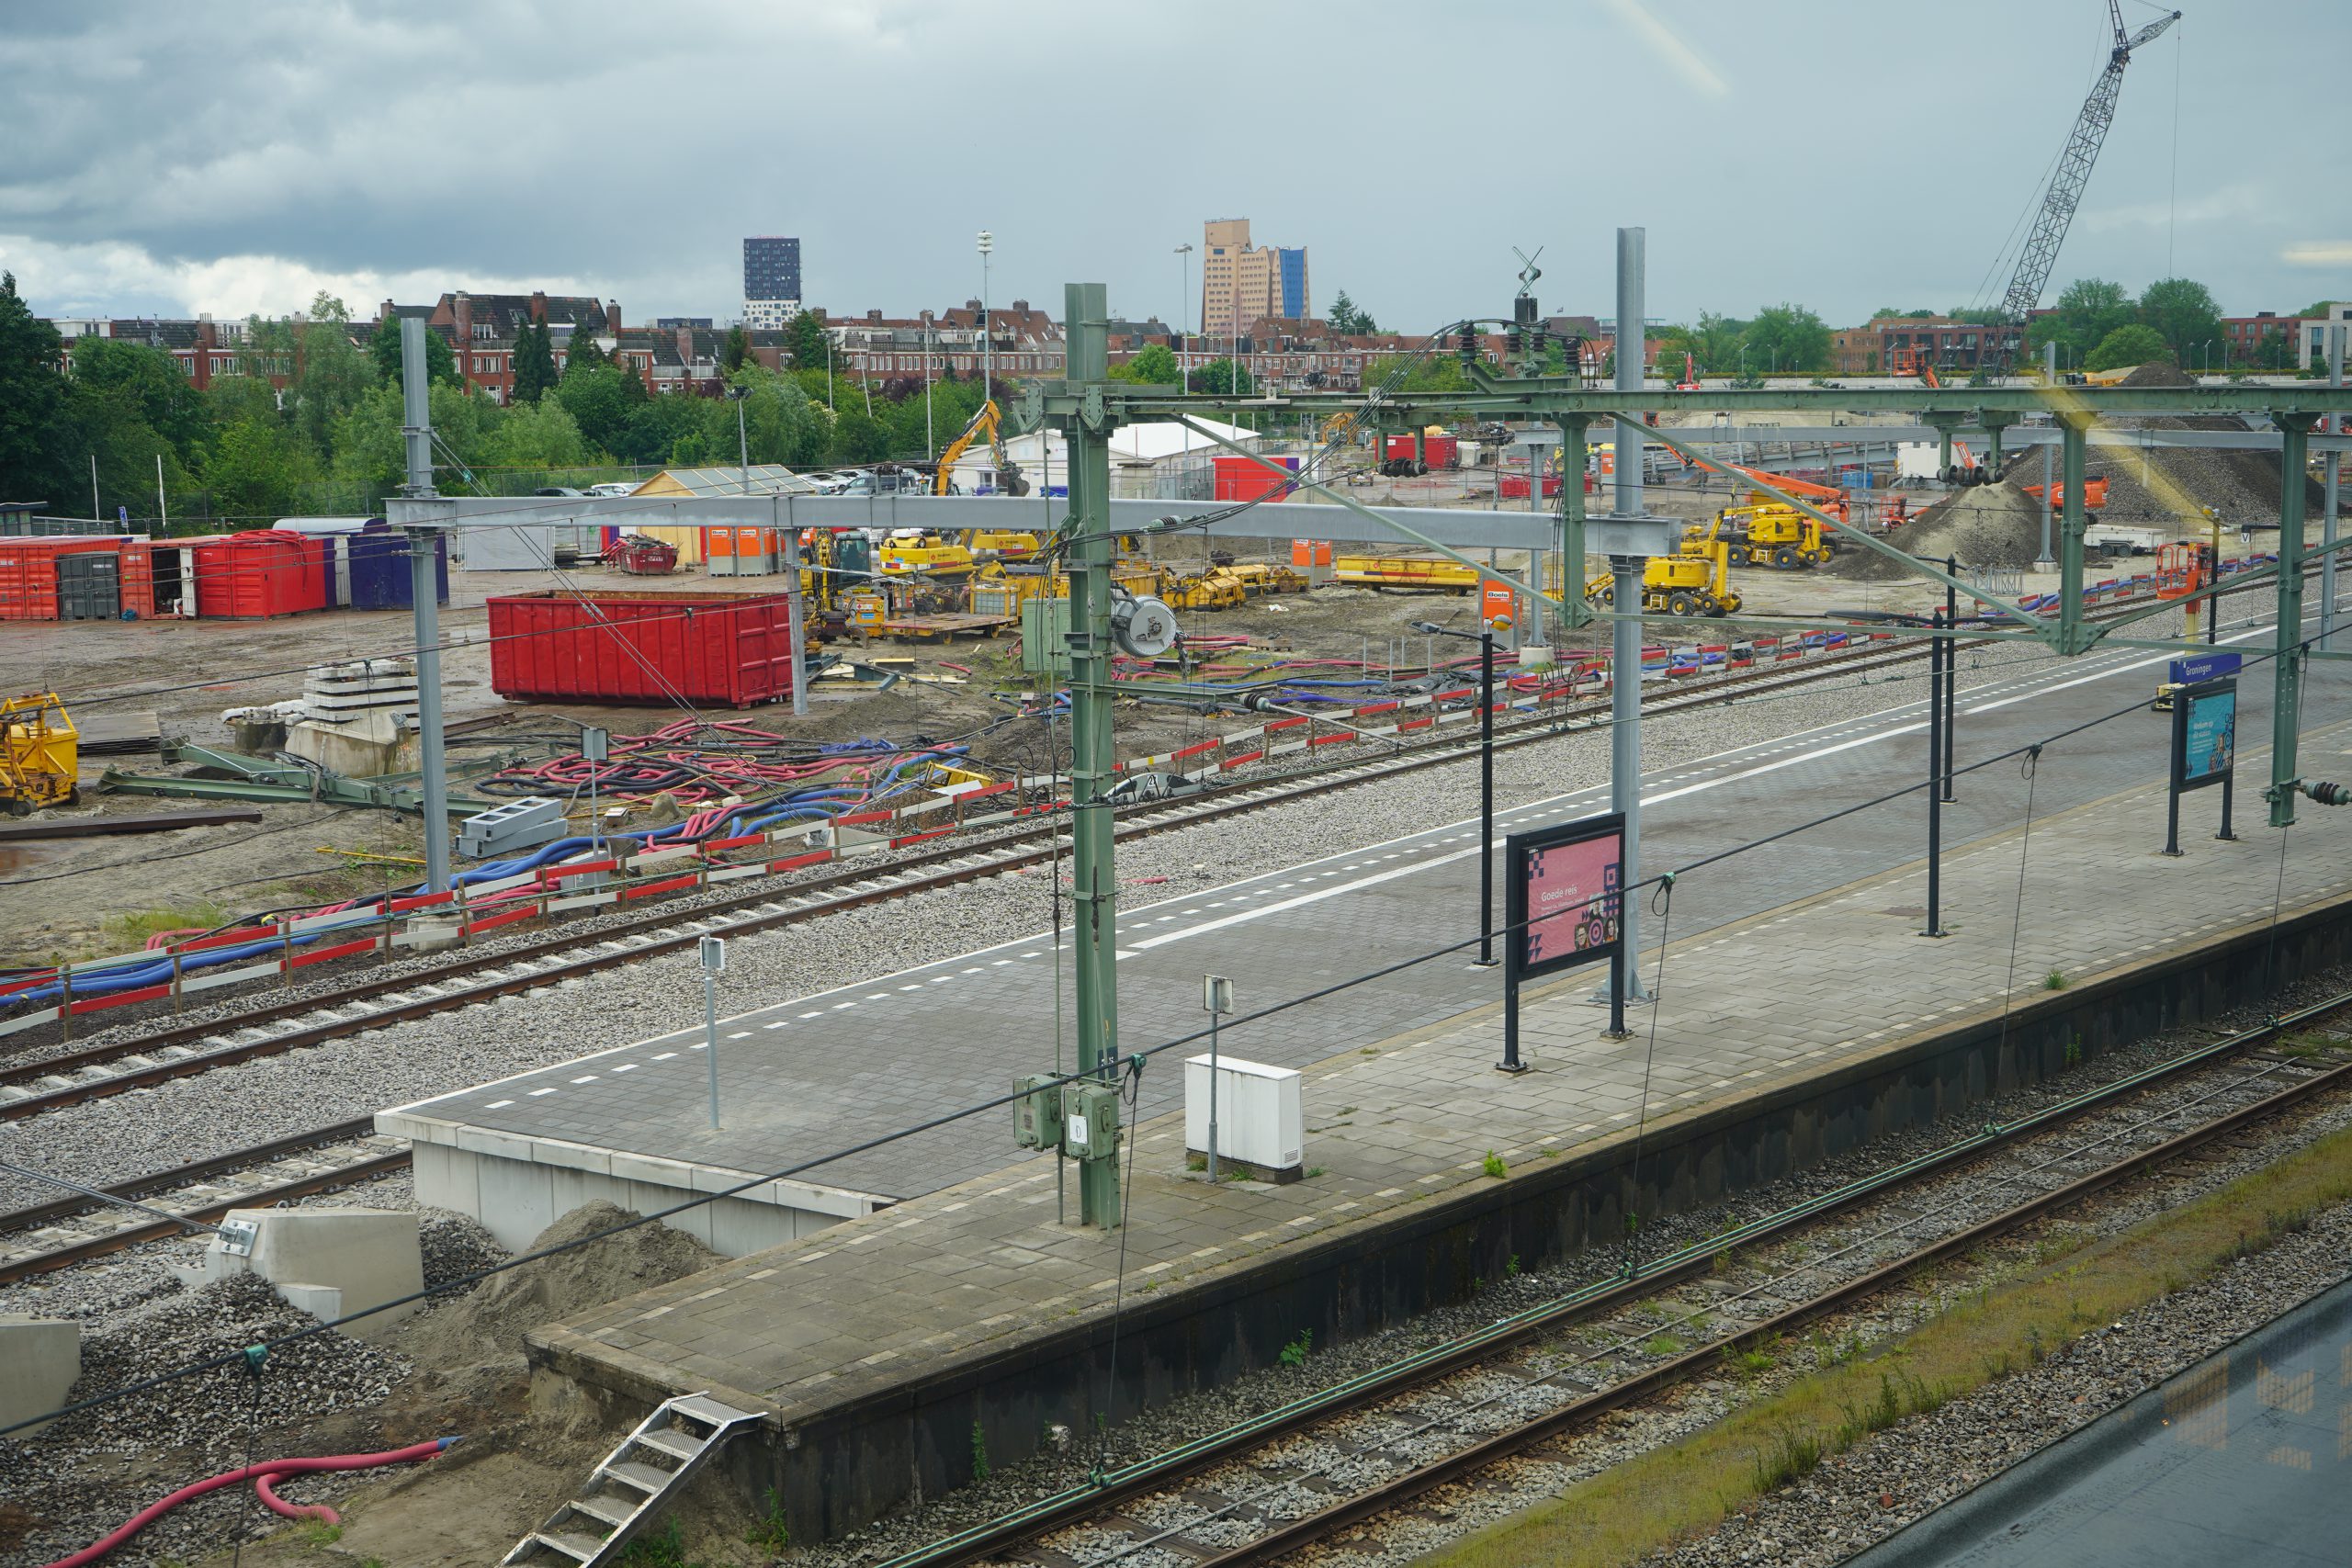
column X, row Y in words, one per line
column 2210, row 734
column 1566, row 894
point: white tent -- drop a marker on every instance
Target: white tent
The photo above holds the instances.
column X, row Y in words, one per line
column 1140, row 455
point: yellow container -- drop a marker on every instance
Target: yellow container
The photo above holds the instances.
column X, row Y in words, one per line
column 39, row 755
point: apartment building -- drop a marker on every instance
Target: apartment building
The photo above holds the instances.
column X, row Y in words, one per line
column 1242, row 284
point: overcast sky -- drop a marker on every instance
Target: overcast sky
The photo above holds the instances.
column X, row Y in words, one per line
column 172, row 156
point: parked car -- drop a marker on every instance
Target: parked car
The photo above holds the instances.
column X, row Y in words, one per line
column 557, row 489
column 614, row 487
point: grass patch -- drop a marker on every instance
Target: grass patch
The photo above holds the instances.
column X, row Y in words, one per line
column 1650, row 1502
column 128, row 931
column 318, row 1532
column 1294, row 1353
column 2054, row 981
column 1663, row 1345
column 769, row 1533
column 1495, row 1165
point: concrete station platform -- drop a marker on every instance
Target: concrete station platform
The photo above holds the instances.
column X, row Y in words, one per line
column 1788, row 1029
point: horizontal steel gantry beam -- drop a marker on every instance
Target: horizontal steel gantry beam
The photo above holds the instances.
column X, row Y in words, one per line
column 1461, row 527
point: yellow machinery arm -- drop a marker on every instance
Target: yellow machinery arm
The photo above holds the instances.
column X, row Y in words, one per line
column 38, row 756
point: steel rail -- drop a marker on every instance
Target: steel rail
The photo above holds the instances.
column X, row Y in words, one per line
column 882, row 881
column 1143, row 1477
column 34, row 1215
column 161, row 1230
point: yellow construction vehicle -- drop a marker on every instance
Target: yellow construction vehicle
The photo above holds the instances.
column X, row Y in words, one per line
column 1769, row 535
column 1215, row 588
column 910, row 552
column 1006, row 544
column 37, row 755
column 1695, row 582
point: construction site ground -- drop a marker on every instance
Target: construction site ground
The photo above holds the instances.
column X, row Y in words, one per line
column 187, row 672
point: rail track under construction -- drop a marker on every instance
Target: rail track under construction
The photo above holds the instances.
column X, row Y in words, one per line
column 67, row 1076
column 1257, row 1491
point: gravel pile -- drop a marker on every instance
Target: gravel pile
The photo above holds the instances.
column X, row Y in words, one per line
column 217, row 1112
column 89, row 1471
column 1991, row 524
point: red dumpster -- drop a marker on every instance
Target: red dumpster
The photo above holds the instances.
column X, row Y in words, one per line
column 731, row 649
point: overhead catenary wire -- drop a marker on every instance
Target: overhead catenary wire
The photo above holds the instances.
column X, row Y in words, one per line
column 949, row 1118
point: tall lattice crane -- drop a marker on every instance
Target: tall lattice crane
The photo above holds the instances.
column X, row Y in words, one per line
column 2073, row 172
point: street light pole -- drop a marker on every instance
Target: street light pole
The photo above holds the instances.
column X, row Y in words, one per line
column 988, row 339
column 1183, row 328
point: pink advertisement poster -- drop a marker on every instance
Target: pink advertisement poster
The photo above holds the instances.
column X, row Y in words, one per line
column 1572, row 900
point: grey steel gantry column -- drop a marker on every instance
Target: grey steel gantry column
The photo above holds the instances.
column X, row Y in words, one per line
column 2046, row 560
column 2286, row 666
column 1625, row 658
column 425, row 590
column 2327, row 504
column 1094, row 876
column 1571, row 612
column 2073, row 431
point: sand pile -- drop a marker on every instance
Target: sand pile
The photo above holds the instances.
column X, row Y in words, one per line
column 488, row 1323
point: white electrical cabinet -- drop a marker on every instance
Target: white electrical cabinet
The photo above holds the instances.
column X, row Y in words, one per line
column 1260, row 1117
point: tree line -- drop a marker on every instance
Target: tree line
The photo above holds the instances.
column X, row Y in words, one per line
column 242, row 450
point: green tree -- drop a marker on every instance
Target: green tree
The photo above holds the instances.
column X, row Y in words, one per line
column 233, row 398
column 2088, row 310
column 440, row 361
column 1717, row 339
column 1787, row 337
column 781, row 421
column 2131, row 344
column 35, row 464
column 734, row 349
column 257, row 470
column 804, row 339
column 145, row 381
column 599, row 403
column 1349, row 320
column 331, row 376
column 2184, row 313
column 1224, row 378
column 534, row 363
column 584, row 356
column 858, row 437
column 542, row 435
column 1153, row 366
column 1425, row 373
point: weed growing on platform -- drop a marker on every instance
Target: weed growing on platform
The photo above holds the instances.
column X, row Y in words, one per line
column 1495, row 1165
column 1749, row 1363
column 769, row 1533
column 1510, row 1268
column 1294, row 1353
column 2054, row 981
column 666, row 1549
column 1313, row 1171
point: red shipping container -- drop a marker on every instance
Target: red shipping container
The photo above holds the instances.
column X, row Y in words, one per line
column 29, row 572
column 733, row 649
column 1515, row 485
column 1244, row 478
column 255, row 575
column 1437, row 451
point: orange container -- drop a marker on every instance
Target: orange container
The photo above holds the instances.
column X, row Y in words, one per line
column 1310, row 552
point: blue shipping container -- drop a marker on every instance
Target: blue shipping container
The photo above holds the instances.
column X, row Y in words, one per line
column 378, row 555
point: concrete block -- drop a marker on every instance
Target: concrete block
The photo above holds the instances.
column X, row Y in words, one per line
column 363, row 1258
column 39, row 1360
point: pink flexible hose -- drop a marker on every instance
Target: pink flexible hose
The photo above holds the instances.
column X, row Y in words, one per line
column 261, row 1475
column 279, row 1506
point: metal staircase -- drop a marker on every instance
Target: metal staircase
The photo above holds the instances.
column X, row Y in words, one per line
column 633, row 1484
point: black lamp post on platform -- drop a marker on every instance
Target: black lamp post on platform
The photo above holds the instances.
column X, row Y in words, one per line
column 1484, row 638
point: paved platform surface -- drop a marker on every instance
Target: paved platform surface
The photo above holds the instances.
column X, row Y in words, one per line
column 825, row 1071
column 1786, row 992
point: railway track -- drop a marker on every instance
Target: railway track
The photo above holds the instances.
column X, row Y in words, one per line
column 1316, row 1472
column 75, row 1077
column 73, row 1229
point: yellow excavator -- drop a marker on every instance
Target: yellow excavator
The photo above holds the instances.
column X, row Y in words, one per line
column 1005, row 543
column 1765, row 534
